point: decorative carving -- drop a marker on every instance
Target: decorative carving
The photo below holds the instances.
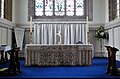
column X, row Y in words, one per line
column 53, row 55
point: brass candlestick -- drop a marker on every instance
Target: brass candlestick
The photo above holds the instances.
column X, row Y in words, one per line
column 30, row 37
column 88, row 34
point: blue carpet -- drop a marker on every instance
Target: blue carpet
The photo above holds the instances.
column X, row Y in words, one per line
column 96, row 70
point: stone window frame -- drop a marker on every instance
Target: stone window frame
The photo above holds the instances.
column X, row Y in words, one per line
column 88, row 11
column 7, row 9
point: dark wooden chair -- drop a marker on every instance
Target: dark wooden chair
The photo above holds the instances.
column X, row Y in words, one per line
column 4, row 50
column 14, row 65
column 109, row 49
column 112, row 68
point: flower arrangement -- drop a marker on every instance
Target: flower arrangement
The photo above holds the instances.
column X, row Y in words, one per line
column 100, row 33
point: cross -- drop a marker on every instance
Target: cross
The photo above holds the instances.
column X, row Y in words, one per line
column 59, row 34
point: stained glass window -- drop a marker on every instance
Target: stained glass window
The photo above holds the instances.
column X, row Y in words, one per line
column 114, row 9
column 59, row 7
column 70, row 7
column 2, row 8
column 118, row 8
column 38, row 7
column 6, row 9
column 79, row 7
column 48, row 7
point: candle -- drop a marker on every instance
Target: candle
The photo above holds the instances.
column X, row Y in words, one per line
column 87, row 27
column 30, row 23
column 30, row 29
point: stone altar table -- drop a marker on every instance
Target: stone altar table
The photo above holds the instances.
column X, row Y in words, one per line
column 58, row 55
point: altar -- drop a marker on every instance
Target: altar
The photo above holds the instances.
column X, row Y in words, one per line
column 58, row 55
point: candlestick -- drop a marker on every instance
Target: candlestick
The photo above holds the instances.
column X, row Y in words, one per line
column 30, row 33
column 87, row 29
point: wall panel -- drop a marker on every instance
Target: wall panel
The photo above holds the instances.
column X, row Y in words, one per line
column 3, row 36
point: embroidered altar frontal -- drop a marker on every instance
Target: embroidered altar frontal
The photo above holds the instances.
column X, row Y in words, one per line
column 58, row 55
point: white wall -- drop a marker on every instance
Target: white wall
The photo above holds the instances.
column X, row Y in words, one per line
column 5, row 36
column 21, row 16
column 5, row 31
column 13, row 11
column 106, row 11
column 100, row 16
column 114, row 35
column 21, row 11
column 6, row 28
column 98, row 11
column 113, row 28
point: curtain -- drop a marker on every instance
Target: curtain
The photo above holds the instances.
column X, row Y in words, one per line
column 71, row 33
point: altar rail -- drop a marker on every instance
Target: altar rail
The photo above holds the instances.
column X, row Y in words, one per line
column 57, row 55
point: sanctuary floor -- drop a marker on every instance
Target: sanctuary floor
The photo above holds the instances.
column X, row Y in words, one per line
column 96, row 70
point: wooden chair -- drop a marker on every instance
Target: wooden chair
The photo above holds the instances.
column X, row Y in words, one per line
column 112, row 69
column 14, row 64
column 109, row 49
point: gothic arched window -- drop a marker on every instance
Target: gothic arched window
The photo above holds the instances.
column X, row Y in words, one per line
column 6, row 9
column 114, row 9
column 60, row 9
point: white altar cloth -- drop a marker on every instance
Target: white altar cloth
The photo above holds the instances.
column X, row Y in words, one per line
column 56, row 55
